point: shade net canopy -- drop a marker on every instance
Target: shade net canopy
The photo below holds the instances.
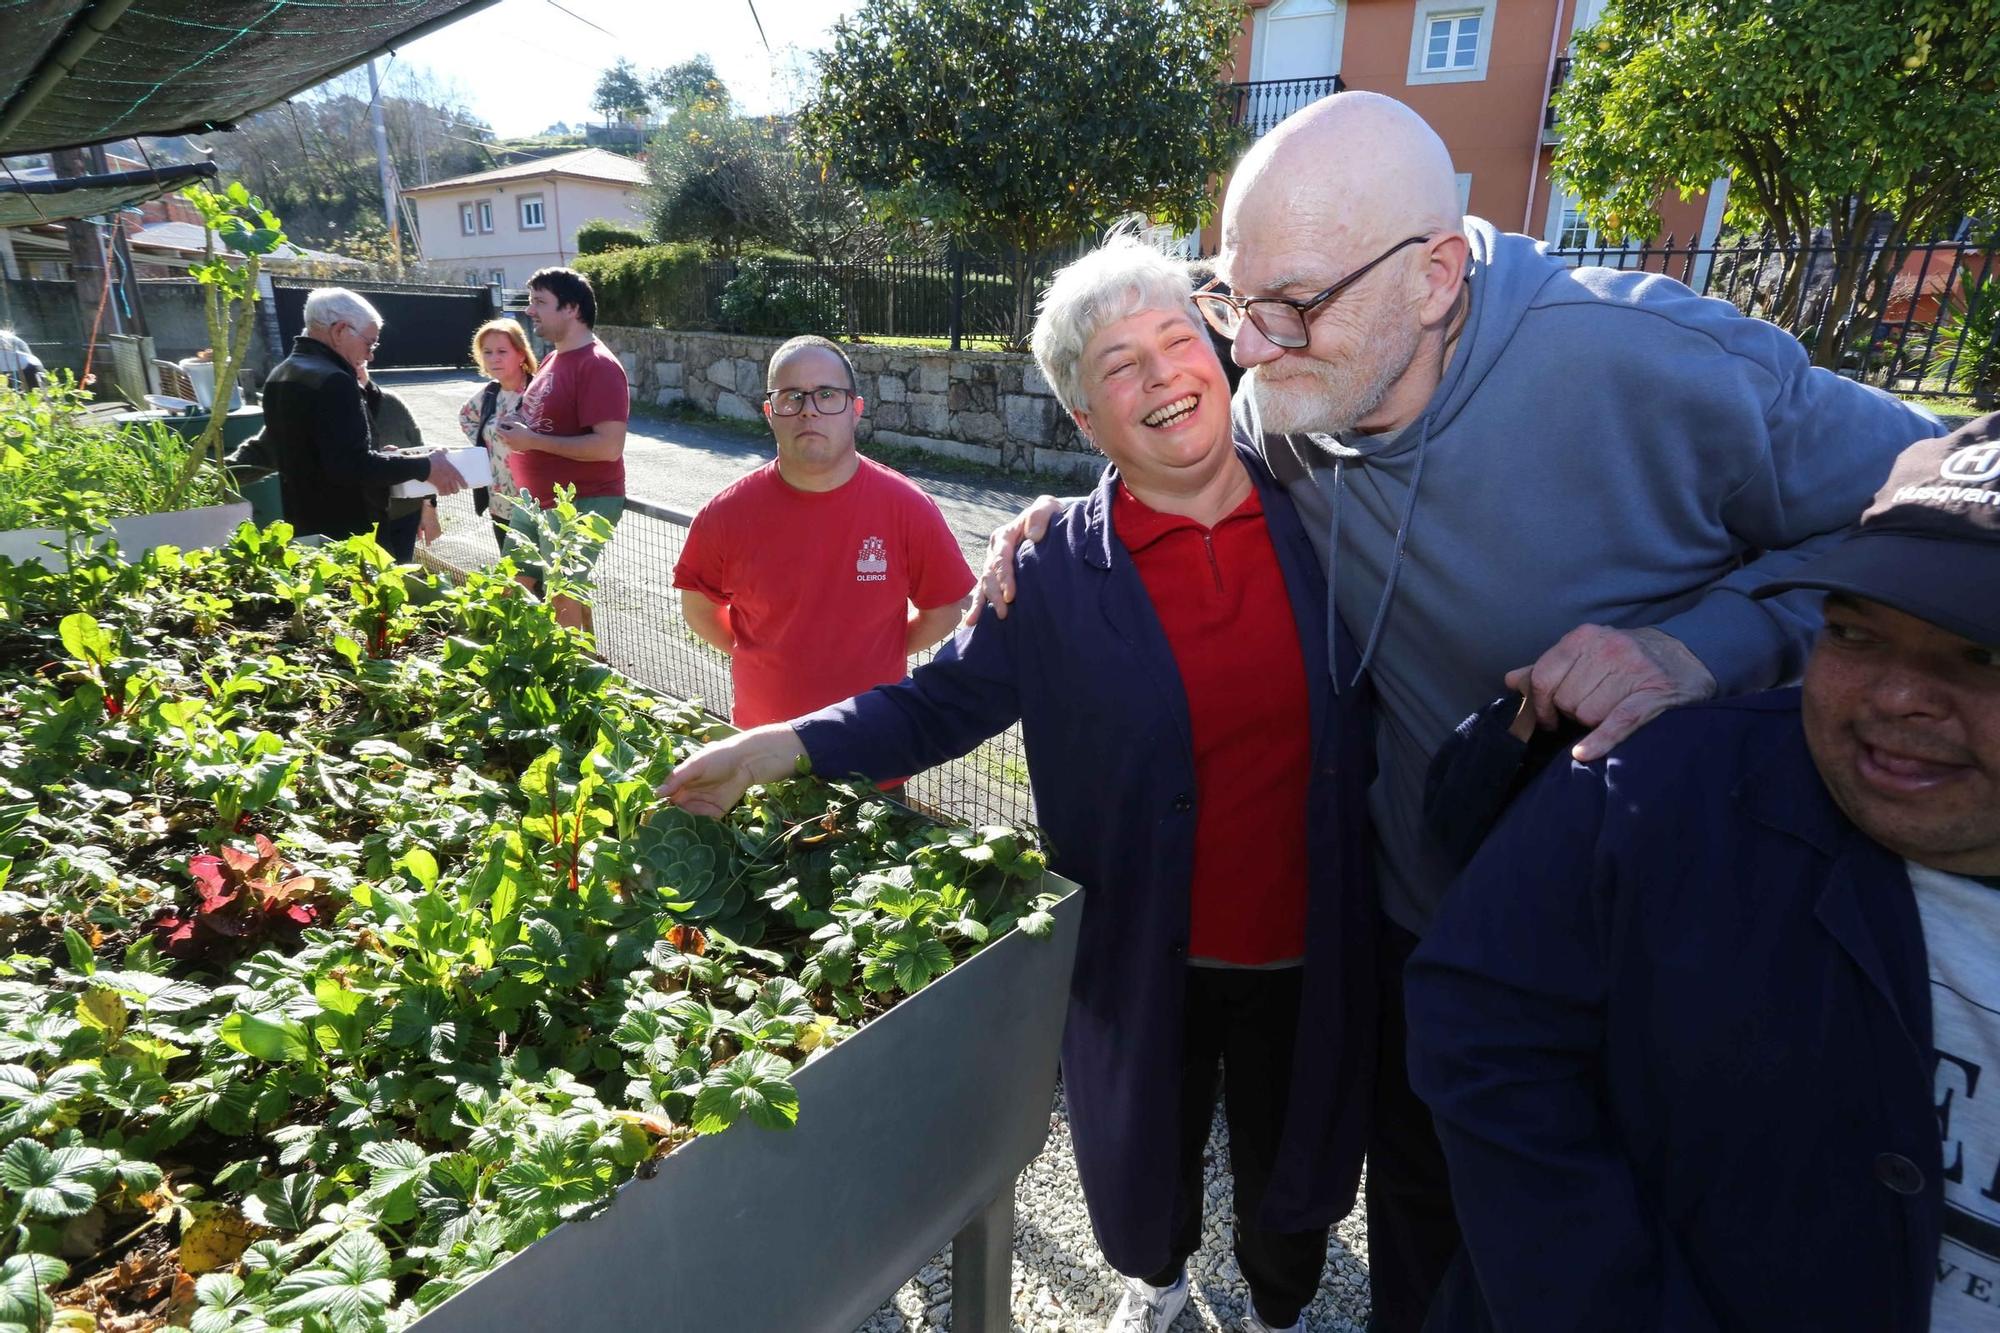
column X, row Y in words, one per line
column 23, row 203
column 76, row 72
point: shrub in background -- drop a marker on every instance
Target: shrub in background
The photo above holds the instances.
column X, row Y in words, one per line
column 602, row 236
column 660, row 285
column 1965, row 349
column 767, row 300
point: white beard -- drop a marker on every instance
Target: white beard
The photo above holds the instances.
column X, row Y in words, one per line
column 1326, row 398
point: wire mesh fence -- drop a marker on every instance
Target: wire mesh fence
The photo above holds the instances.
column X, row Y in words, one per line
column 640, row 631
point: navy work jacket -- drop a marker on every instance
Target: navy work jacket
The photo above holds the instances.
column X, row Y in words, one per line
column 1674, row 1022
column 1082, row 662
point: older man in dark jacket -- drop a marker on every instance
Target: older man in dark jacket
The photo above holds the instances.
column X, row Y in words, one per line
column 1710, row 1028
column 332, row 478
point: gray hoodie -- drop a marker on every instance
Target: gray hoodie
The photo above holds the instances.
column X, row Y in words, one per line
column 1606, row 447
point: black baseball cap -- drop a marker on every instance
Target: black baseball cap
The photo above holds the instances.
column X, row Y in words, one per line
column 1929, row 545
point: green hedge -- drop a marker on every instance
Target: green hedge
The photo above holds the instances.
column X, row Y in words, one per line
column 601, row 236
column 660, row 285
column 678, row 286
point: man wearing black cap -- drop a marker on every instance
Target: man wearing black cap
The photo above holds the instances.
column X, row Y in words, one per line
column 1711, row 1028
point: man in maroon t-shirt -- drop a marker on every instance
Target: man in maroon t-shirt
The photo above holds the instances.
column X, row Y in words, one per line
column 822, row 571
column 570, row 428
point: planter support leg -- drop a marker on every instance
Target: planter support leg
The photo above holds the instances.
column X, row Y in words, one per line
column 982, row 1269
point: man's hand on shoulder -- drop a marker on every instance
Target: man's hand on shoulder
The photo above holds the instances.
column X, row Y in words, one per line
column 996, row 584
column 1614, row 681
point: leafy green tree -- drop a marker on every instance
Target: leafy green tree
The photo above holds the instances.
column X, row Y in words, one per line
column 621, row 93
column 712, row 176
column 1020, row 125
column 689, row 83
column 1824, row 114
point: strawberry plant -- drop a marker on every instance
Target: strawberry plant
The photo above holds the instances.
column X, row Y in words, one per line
column 350, row 951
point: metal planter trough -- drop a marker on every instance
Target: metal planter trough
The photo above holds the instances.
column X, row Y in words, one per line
column 136, row 533
column 910, row 1134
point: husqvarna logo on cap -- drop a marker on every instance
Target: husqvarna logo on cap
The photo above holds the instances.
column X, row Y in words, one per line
column 1972, row 465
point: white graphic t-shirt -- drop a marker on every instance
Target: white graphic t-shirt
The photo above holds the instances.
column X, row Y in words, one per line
column 1962, row 936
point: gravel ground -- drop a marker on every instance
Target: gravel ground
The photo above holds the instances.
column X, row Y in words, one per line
column 1061, row 1282
column 1063, row 1285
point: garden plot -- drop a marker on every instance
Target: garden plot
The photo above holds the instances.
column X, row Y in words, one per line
column 344, row 951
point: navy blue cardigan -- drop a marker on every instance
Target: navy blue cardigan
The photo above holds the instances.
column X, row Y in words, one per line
column 1674, row 1022
column 1082, row 663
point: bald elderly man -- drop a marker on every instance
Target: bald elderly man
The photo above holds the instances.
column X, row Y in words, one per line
column 1567, row 480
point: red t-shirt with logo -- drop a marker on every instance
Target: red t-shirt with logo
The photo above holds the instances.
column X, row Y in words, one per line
column 571, row 394
column 818, row 583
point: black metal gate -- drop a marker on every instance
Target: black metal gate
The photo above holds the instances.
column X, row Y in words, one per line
column 421, row 326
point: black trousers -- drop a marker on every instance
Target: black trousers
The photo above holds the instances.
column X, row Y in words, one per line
column 1240, row 1030
column 1412, row 1232
column 398, row 536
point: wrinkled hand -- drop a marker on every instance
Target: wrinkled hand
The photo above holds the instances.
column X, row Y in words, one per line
column 1612, row 680
column 996, row 584
column 443, row 477
column 713, row 779
column 428, row 527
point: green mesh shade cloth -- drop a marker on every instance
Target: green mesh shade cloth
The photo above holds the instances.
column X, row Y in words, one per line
column 23, row 203
column 76, row 72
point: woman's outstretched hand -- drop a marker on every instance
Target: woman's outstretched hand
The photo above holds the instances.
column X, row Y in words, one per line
column 713, row 779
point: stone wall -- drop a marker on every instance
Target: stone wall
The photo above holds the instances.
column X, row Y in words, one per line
column 990, row 407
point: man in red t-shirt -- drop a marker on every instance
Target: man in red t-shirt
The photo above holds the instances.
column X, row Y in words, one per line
column 570, row 428
column 822, row 571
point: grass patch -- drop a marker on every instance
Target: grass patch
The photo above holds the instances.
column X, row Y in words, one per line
column 936, row 344
column 1943, row 406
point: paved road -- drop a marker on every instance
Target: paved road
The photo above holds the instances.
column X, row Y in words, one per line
column 681, row 464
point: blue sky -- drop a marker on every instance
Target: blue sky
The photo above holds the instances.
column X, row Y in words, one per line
column 524, row 64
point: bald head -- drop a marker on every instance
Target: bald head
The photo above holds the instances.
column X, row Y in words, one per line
column 1351, row 206
column 1357, row 169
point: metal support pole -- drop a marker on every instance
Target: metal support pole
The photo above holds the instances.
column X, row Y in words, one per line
column 982, row 1269
column 957, row 315
column 390, row 214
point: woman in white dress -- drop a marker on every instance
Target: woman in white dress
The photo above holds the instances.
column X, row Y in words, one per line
column 501, row 351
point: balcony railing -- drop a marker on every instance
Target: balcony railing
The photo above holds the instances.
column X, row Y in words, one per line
column 1261, row 105
column 1556, row 80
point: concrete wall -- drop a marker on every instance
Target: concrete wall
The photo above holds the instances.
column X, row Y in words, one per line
column 989, row 407
column 46, row 315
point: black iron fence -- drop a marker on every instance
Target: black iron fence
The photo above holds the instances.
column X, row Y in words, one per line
column 963, row 299
column 1260, row 105
column 1922, row 319
column 640, row 630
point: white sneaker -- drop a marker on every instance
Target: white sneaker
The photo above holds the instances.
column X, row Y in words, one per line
column 1145, row 1308
column 1254, row 1323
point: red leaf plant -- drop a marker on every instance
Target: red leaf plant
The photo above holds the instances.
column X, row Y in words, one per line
column 242, row 895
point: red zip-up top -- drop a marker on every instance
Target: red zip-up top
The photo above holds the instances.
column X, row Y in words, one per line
column 1220, row 595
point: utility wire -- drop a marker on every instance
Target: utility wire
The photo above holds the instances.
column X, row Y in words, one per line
column 760, row 26
column 586, row 22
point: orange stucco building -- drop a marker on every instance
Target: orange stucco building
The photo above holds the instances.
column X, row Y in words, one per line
column 1480, row 71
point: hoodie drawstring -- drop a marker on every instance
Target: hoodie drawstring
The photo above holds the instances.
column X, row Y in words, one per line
column 1395, row 563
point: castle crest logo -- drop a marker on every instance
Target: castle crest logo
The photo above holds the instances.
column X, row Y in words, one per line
column 872, row 565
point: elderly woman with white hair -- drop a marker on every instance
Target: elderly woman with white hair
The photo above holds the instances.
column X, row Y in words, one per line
column 331, row 476
column 1196, row 772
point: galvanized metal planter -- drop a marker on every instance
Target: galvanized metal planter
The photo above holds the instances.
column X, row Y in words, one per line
column 910, row 1134
column 137, row 533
